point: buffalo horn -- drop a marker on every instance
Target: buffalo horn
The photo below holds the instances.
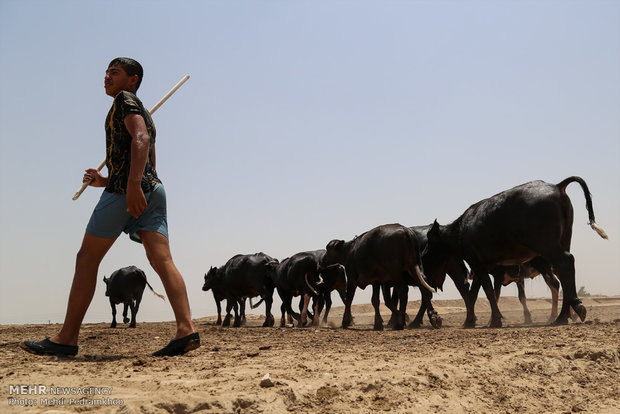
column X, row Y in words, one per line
column 308, row 283
column 422, row 281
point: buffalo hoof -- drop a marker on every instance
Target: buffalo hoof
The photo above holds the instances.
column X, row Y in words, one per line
column 495, row 323
column 436, row 321
column 379, row 327
column 561, row 320
column 226, row 321
column 282, row 323
column 528, row 320
column 132, row 325
column 470, row 323
column 125, row 319
column 581, row 311
column 269, row 322
column 113, row 325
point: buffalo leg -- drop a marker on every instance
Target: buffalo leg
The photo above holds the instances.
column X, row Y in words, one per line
column 219, row 312
column 470, row 320
column 316, row 302
column 228, row 316
column 485, row 282
column 125, row 307
column 237, row 321
column 291, row 312
column 496, row 315
column 403, row 297
column 286, row 307
column 497, row 289
column 134, row 312
column 134, row 309
column 283, row 318
column 527, row 316
column 554, row 285
column 376, row 289
column 113, row 324
column 305, row 307
column 269, row 319
column 391, row 301
column 459, row 277
column 347, row 318
column 304, row 311
column 328, row 305
column 433, row 316
column 242, row 312
column 564, row 264
column 417, row 321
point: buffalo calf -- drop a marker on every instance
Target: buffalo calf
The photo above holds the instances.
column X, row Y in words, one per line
column 126, row 286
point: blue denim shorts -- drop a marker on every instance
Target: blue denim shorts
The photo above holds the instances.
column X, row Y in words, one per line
column 110, row 217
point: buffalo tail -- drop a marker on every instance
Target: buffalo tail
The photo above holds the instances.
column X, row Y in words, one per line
column 254, row 306
column 586, row 192
column 157, row 294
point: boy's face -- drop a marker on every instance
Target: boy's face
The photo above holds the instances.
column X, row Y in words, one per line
column 117, row 80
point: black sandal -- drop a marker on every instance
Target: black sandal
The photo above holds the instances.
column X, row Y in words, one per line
column 180, row 346
column 47, row 347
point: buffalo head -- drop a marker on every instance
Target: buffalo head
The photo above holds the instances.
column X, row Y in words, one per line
column 335, row 253
column 210, row 279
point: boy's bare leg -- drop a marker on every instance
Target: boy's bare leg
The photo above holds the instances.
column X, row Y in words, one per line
column 87, row 262
column 158, row 252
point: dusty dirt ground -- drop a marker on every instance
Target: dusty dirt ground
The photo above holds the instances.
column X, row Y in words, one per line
column 515, row 369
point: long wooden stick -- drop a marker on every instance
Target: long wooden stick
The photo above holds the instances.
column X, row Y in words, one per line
column 155, row 108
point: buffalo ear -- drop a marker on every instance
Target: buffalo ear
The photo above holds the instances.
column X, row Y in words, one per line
column 335, row 244
column 433, row 233
column 105, row 279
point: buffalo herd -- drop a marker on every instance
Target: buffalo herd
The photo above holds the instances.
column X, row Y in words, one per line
column 517, row 234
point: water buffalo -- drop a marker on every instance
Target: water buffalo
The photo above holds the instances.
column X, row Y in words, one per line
column 126, row 286
column 243, row 276
column 299, row 275
column 387, row 254
column 436, row 275
column 511, row 228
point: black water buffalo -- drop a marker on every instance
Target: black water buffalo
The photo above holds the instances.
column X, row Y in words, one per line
column 387, row 254
column 334, row 278
column 219, row 294
column 299, row 275
column 331, row 278
column 243, row 276
column 505, row 275
column 435, row 272
column 126, row 286
column 511, row 228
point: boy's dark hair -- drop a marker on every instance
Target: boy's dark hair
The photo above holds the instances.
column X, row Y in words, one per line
column 130, row 66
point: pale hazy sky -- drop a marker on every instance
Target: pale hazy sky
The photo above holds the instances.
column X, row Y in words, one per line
column 302, row 122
